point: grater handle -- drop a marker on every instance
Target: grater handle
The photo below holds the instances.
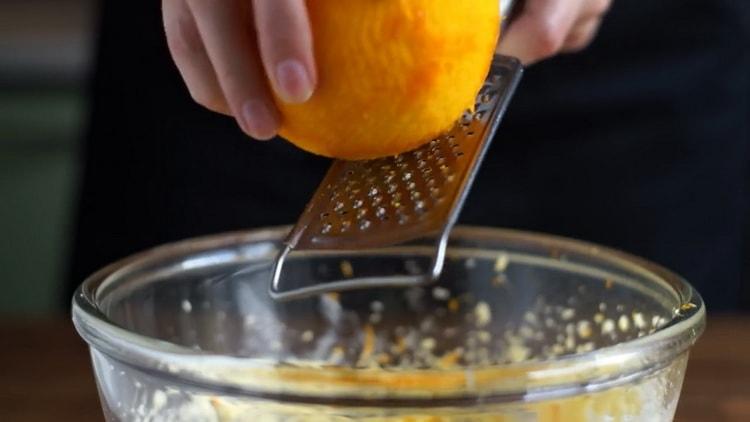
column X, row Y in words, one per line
column 507, row 8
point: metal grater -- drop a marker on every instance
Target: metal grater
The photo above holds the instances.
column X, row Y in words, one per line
column 373, row 204
column 364, row 206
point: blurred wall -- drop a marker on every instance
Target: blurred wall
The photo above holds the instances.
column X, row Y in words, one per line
column 45, row 50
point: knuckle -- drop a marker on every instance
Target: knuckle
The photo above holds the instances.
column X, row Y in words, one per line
column 234, row 83
column 208, row 100
column 204, row 4
column 600, row 7
column 576, row 45
column 183, row 38
column 548, row 39
column 580, row 39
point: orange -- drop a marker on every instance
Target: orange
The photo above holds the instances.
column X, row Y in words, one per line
column 392, row 74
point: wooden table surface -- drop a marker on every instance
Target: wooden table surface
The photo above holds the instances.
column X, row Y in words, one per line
column 45, row 373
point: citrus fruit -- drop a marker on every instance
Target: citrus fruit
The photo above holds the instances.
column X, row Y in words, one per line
column 392, row 74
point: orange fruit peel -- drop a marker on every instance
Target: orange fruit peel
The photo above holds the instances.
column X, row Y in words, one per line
column 392, row 74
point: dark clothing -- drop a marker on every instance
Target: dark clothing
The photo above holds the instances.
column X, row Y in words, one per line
column 639, row 143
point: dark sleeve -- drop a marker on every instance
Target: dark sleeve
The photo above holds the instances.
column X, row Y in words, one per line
column 641, row 143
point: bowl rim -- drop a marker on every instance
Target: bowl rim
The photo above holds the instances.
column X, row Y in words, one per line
column 578, row 373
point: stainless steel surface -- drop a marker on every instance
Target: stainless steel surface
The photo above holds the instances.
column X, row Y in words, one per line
column 506, row 8
column 366, row 205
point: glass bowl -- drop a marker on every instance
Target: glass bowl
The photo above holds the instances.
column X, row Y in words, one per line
column 521, row 327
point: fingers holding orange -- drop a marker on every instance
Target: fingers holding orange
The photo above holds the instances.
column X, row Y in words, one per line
column 286, row 47
column 189, row 54
column 227, row 33
column 233, row 53
column 540, row 30
column 545, row 28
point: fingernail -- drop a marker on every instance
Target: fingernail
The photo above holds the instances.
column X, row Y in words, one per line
column 293, row 82
column 258, row 120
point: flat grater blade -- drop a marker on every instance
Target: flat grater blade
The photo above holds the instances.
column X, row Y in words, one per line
column 374, row 204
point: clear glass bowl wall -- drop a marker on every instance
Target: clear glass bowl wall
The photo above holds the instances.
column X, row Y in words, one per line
column 520, row 327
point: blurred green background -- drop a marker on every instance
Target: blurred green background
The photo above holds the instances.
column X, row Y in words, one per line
column 45, row 50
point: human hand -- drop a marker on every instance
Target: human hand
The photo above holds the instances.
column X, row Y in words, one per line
column 544, row 28
column 232, row 53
